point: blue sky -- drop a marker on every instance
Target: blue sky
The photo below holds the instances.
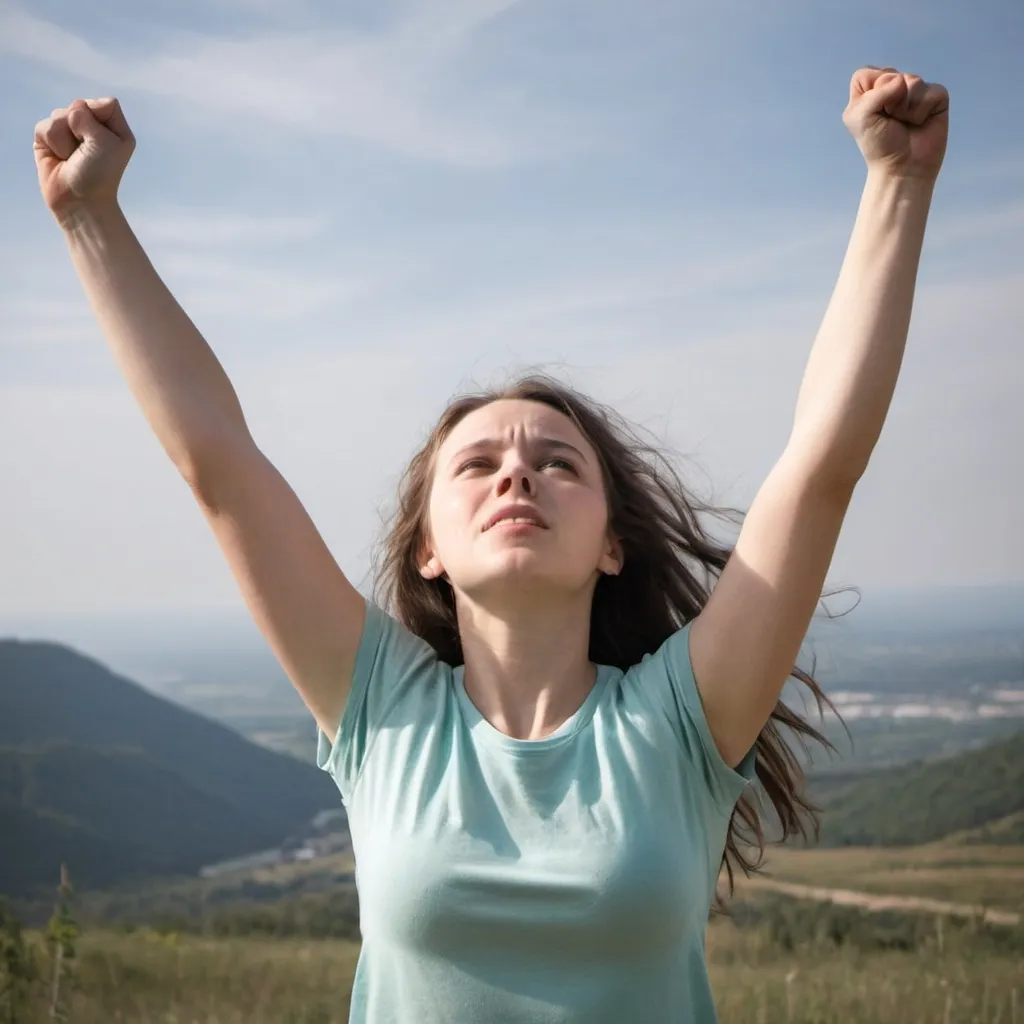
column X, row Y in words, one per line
column 367, row 207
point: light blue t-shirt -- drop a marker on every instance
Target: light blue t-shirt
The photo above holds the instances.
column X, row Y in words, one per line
column 504, row 881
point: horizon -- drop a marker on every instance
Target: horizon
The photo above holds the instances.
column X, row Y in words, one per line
column 997, row 605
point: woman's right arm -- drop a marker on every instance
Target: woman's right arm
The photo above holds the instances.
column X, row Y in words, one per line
column 310, row 614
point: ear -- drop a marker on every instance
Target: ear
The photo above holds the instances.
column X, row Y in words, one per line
column 612, row 558
column 431, row 568
column 429, row 564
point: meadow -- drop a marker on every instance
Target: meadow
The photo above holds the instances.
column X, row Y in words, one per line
column 762, row 973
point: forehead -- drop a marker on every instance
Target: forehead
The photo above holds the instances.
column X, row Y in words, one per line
column 512, row 419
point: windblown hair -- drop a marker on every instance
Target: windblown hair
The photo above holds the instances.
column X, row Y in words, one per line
column 670, row 565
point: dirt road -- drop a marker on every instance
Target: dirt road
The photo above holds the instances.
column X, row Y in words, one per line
column 875, row 901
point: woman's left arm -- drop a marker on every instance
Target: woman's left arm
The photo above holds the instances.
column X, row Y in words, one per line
column 744, row 643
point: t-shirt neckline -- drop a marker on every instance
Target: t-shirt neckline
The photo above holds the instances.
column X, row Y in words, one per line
column 483, row 729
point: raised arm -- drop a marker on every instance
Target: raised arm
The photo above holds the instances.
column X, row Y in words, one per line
column 746, row 640
column 309, row 613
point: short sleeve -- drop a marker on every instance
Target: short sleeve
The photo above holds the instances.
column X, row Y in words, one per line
column 664, row 685
column 396, row 675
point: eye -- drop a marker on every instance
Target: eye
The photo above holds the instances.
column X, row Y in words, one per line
column 559, row 463
column 475, row 463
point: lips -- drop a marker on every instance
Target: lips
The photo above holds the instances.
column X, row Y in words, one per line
column 522, row 513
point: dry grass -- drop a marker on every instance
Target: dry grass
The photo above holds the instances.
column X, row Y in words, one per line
column 336, row 865
column 148, row 979
column 755, row 984
column 991, row 876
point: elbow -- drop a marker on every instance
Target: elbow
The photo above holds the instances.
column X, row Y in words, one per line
column 197, row 479
column 206, row 465
column 826, row 473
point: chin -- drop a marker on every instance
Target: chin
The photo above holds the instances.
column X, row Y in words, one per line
column 526, row 571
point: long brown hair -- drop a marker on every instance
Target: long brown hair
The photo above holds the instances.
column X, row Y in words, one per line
column 670, row 565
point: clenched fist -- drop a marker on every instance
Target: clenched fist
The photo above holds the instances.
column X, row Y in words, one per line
column 81, row 152
column 900, row 122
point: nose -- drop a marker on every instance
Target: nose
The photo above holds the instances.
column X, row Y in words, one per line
column 516, row 477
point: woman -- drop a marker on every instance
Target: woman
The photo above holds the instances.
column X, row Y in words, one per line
column 544, row 748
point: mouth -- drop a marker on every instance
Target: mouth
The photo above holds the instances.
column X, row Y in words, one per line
column 516, row 515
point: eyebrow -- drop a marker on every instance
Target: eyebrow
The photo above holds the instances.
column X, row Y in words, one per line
column 548, row 444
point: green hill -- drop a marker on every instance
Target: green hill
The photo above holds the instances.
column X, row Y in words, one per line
column 35, row 843
column 114, row 815
column 96, row 771
column 971, row 792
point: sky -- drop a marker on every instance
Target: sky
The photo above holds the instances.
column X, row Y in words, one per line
column 370, row 207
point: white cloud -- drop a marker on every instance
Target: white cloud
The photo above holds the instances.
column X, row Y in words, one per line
column 226, row 268
column 203, row 228
column 1007, row 219
column 34, row 38
column 228, row 286
column 33, row 322
column 380, row 88
column 230, row 266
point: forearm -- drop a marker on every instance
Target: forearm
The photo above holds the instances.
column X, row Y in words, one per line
column 855, row 361
column 174, row 375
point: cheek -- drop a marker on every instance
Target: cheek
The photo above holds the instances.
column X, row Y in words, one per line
column 450, row 512
column 589, row 516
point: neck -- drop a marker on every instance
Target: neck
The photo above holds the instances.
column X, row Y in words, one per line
column 527, row 667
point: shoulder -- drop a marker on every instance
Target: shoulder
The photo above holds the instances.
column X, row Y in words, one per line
column 662, row 686
column 398, row 682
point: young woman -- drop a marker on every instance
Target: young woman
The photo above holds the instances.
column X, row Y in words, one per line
column 544, row 747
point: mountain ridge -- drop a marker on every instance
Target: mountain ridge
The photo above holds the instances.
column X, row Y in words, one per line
column 929, row 800
column 94, row 764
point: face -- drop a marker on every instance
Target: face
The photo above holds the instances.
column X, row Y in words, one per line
column 518, row 498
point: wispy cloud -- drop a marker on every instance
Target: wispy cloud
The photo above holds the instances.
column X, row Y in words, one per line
column 201, row 228
column 227, row 265
column 385, row 87
column 224, row 266
column 982, row 169
column 224, row 287
column 231, row 268
column 1006, row 219
column 31, row 322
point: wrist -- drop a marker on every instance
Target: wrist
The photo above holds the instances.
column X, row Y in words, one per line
column 87, row 218
column 885, row 180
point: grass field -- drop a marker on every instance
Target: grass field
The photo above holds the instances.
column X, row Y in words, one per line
column 757, row 983
column 776, row 961
column 144, row 978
